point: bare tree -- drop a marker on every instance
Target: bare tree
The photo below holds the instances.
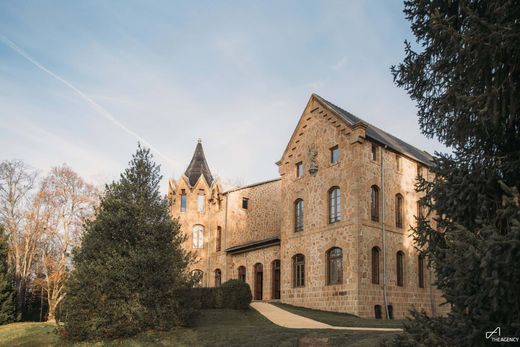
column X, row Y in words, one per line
column 68, row 202
column 17, row 181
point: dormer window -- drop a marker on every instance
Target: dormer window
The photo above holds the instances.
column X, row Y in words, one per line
column 245, row 203
column 299, row 169
column 334, row 154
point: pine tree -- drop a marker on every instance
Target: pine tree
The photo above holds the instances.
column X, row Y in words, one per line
column 464, row 75
column 130, row 262
column 7, row 292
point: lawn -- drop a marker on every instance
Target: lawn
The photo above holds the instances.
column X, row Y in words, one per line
column 341, row 319
column 214, row 328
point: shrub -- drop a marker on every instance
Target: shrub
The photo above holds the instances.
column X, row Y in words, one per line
column 237, row 294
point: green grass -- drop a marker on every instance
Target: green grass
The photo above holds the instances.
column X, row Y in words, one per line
column 341, row 319
column 214, row 328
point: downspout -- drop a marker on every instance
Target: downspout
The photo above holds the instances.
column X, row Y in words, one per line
column 383, row 234
column 225, row 236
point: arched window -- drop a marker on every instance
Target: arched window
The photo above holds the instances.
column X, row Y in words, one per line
column 334, row 266
column 398, row 210
column 299, row 270
column 242, row 273
column 400, row 268
column 334, row 205
column 375, row 265
column 219, row 239
column 374, row 203
column 198, row 236
column 420, row 260
column 298, row 215
column 218, row 278
column 197, row 275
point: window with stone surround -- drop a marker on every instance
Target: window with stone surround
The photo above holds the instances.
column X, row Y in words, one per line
column 373, row 152
column 299, row 270
column 298, row 215
column 399, row 210
column 183, row 200
column 334, row 154
column 420, row 270
column 334, row 266
column 245, row 203
column 400, row 268
column 219, row 239
column 419, row 170
column 375, row 265
column 334, row 205
column 242, row 273
column 374, row 203
column 201, row 201
column 398, row 163
column 299, row 169
column 198, row 236
column 218, row 278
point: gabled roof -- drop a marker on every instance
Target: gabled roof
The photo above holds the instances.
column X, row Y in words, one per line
column 381, row 136
column 198, row 166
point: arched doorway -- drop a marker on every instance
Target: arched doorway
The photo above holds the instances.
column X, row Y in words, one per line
column 276, row 279
column 259, row 281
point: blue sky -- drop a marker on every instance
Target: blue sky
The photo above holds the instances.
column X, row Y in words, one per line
column 236, row 74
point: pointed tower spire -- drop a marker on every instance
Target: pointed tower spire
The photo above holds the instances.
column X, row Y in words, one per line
column 198, row 166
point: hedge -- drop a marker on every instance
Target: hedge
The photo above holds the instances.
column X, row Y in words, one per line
column 233, row 294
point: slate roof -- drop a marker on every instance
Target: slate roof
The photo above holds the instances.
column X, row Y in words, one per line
column 198, row 166
column 381, row 136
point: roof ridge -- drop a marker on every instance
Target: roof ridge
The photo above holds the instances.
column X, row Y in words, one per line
column 382, row 136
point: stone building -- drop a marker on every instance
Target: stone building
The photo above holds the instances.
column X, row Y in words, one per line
column 331, row 233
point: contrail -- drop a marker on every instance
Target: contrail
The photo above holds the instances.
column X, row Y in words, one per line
column 98, row 108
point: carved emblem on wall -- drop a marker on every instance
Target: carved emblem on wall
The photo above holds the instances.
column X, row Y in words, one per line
column 313, row 159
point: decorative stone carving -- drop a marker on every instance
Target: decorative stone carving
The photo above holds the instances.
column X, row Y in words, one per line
column 313, row 159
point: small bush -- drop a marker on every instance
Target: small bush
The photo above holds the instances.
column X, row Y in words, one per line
column 237, row 294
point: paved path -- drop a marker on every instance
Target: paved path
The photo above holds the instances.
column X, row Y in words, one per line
column 287, row 319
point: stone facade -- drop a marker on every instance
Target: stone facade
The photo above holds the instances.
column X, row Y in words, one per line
column 257, row 224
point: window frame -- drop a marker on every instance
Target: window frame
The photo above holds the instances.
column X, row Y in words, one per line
column 399, row 268
column 375, row 256
column 399, row 211
column 245, row 203
column 184, row 201
column 298, row 270
column 242, row 273
column 298, row 215
column 334, row 149
column 374, row 203
column 218, row 246
column 373, row 152
column 198, row 236
column 218, row 277
column 299, row 169
column 331, row 260
column 334, row 199
column 420, row 270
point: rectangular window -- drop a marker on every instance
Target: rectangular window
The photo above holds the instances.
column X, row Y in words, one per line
column 183, row 201
column 299, row 169
column 201, row 201
column 298, row 215
column 334, row 154
column 374, row 152
column 245, row 203
column 219, row 239
column 419, row 170
column 398, row 162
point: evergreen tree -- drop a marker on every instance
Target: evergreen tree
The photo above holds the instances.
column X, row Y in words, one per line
column 130, row 262
column 464, row 75
column 7, row 292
